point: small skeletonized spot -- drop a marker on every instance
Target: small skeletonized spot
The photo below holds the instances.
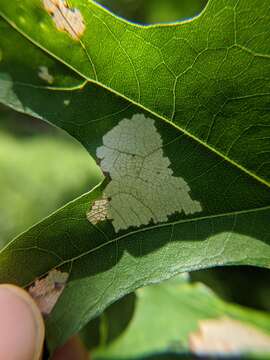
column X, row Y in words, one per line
column 98, row 211
column 227, row 336
column 66, row 19
column 45, row 75
column 47, row 291
column 66, row 102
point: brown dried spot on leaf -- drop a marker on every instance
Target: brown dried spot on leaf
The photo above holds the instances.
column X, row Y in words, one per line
column 47, row 291
column 99, row 211
column 226, row 335
column 66, row 19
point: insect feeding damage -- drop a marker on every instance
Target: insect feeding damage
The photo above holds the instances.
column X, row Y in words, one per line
column 98, row 211
column 45, row 75
column 227, row 336
column 142, row 187
column 66, row 19
column 47, row 291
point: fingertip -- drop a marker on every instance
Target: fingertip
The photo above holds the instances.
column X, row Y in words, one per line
column 21, row 328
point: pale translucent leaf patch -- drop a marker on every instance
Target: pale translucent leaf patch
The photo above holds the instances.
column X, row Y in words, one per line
column 142, row 187
column 44, row 74
column 98, row 211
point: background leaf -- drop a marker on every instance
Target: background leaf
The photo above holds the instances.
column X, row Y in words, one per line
column 155, row 11
column 161, row 320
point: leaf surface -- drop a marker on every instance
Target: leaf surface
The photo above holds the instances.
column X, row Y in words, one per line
column 208, row 76
column 204, row 84
column 162, row 319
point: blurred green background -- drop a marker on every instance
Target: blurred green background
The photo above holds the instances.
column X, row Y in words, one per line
column 42, row 168
column 155, row 11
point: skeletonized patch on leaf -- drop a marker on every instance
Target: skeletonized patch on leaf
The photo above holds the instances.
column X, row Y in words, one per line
column 98, row 211
column 227, row 336
column 142, row 187
column 66, row 19
column 45, row 75
column 46, row 291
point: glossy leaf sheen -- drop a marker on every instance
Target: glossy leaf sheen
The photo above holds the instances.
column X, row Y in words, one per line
column 204, row 82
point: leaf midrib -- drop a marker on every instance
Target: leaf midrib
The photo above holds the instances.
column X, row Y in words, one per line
column 168, row 224
column 134, row 232
column 88, row 80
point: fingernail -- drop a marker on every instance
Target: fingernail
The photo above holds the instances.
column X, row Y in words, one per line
column 21, row 325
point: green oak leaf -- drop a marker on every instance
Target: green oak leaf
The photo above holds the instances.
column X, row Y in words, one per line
column 208, row 76
column 160, row 319
column 204, row 84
